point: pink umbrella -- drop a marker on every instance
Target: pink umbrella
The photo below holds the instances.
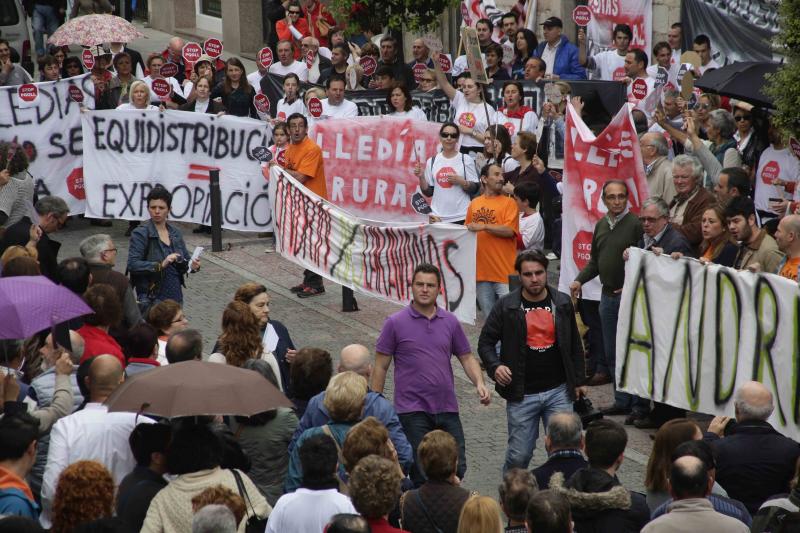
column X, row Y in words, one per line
column 29, row 304
column 90, row 30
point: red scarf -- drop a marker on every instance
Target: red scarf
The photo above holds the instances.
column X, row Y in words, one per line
column 519, row 113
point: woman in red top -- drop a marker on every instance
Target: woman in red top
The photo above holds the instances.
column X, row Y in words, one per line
column 107, row 313
column 294, row 27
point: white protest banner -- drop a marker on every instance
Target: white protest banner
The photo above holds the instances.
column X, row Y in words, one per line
column 126, row 153
column 371, row 257
column 589, row 162
column 690, row 335
column 638, row 14
column 369, row 164
column 49, row 130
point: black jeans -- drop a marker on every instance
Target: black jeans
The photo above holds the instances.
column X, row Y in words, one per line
column 418, row 424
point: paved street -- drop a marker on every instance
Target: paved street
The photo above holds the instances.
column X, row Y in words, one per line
column 319, row 322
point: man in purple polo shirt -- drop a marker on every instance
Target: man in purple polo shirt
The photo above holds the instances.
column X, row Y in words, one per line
column 422, row 338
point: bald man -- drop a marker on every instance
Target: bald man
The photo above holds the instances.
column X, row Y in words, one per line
column 92, row 434
column 754, row 461
column 174, row 54
column 357, row 358
column 788, row 238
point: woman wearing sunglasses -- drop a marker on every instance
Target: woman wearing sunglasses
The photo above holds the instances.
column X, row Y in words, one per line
column 750, row 137
column 294, row 27
column 449, row 178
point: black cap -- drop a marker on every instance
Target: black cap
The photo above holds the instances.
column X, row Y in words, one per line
column 553, row 21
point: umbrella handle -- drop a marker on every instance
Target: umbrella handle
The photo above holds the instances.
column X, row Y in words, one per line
column 141, row 412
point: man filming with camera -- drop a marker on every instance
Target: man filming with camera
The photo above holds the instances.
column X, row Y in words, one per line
column 542, row 375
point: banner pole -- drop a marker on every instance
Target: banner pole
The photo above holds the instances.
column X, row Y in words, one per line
column 216, row 211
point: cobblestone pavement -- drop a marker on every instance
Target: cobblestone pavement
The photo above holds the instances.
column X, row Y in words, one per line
column 319, row 322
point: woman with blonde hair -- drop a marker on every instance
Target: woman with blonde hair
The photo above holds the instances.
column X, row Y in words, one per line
column 481, row 514
column 84, row 493
column 240, row 339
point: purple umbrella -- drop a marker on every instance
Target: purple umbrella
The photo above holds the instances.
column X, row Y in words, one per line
column 29, row 304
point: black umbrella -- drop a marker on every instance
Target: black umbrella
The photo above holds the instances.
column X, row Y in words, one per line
column 743, row 81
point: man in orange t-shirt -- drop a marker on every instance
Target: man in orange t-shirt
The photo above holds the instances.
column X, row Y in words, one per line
column 495, row 218
column 304, row 162
column 788, row 238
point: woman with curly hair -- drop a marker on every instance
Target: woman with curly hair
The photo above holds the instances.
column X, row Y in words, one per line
column 84, row 493
column 375, row 489
column 168, row 318
column 241, row 338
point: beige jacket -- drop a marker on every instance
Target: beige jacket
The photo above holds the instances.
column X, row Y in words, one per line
column 659, row 180
column 694, row 514
column 764, row 251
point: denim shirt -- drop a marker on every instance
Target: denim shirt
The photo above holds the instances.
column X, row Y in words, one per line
column 144, row 258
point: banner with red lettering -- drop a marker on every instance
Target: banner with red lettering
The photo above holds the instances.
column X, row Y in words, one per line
column 369, row 164
column 638, row 14
column 474, row 10
column 589, row 162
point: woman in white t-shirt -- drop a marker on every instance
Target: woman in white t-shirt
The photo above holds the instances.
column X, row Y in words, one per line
column 497, row 148
column 399, row 101
column 449, row 178
column 291, row 102
column 154, row 64
column 139, row 98
column 515, row 116
column 472, row 114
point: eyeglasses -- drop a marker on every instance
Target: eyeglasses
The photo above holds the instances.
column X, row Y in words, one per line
column 739, row 118
column 449, row 135
column 110, row 250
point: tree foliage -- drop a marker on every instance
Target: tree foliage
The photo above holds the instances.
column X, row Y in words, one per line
column 412, row 15
column 784, row 86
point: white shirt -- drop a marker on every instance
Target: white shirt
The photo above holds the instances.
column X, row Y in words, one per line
column 460, row 65
column 307, row 510
column 254, row 79
column 773, row 164
column 472, row 116
column 295, row 66
column 91, row 434
column 549, row 56
column 346, row 109
column 531, row 227
column 285, row 110
column 711, row 64
column 130, row 107
column 528, row 122
column 610, row 64
column 415, row 113
column 450, row 201
column 176, row 88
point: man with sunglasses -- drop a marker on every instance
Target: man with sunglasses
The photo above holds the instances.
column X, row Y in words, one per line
column 53, row 213
column 540, row 369
column 294, row 27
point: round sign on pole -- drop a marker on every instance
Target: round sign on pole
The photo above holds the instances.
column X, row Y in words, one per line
column 369, row 65
column 661, row 77
column 639, row 88
column 161, row 88
column 88, row 59
column 265, row 57
column 445, row 63
column 310, row 59
column 262, row 103
column 192, row 52
column 75, row 94
column 27, row 92
column 315, row 107
column 262, row 154
column 169, row 70
column 213, row 47
column 582, row 15
column 419, row 69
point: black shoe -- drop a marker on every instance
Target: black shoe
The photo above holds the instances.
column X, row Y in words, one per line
column 308, row 292
column 298, row 288
column 616, row 410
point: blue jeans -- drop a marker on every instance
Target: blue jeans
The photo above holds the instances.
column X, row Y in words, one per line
column 45, row 20
column 488, row 292
column 609, row 315
column 523, row 423
column 418, row 424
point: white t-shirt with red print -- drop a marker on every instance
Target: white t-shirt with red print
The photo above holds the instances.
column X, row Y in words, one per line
column 610, row 65
column 450, row 201
column 528, row 123
column 472, row 116
column 286, row 110
column 774, row 164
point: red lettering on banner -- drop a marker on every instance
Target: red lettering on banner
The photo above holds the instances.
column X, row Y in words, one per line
column 467, row 119
column 442, row 175
column 770, row 172
column 609, row 8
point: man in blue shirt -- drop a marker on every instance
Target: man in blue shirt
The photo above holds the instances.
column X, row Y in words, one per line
column 560, row 55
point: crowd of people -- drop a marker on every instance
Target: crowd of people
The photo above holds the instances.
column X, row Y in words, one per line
column 721, row 178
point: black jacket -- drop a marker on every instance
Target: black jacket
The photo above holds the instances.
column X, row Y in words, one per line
column 19, row 234
column 213, row 107
column 566, row 464
column 754, row 462
column 506, row 324
column 600, row 504
column 672, row 241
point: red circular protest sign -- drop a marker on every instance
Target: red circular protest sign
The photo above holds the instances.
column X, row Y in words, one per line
column 88, row 59
column 445, row 63
column 265, row 57
column 582, row 248
column 213, row 47
column 310, row 59
column 369, row 65
column 169, row 70
column 261, row 102
column 161, row 88
column 75, row 184
column 639, row 88
column 315, row 107
column 582, row 15
column 281, row 158
column 442, row 175
column 192, row 52
column 27, row 92
column 75, row 94
column 770, row 172
column 419, row 69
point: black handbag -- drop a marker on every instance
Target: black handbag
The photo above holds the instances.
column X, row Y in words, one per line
column 255, row 524
column 583, row 407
